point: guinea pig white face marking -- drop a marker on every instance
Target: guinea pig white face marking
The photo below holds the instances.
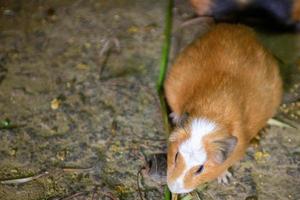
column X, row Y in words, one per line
column 192, row 151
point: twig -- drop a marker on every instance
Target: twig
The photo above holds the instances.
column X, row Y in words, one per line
column 108, row 46
column 77, row 169
column 109, row 195
column 24, row 180
column 93, row 195
column 174, row 196
column 138, row 183
column 279, row 123
column 74, row 195
column 195, row 195
column 106, row 51
column 195, row 21
column 210, row 194
column 13, row 126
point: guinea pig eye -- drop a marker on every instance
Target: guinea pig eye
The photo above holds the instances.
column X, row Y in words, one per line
column 176, row 156
column 199, row 170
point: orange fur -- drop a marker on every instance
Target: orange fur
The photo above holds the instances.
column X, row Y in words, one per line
column 202, row 7
column 171, row 154
column 226, row 76
column 296, row 11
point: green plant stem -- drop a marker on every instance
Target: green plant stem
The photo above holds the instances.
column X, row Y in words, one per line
column 167, row 193
column 162, row 73
column 166, row 46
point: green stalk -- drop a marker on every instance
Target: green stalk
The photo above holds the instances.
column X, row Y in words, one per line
column 162, row 73
column 166, row 46
column 164, row 63
column 167, row 193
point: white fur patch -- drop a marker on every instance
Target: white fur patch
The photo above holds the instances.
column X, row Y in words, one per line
column 177, row 186
column 192, row 151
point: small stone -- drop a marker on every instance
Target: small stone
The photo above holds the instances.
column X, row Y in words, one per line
column 14, row 171
column 261, row 155
column 116, row 17
column 8, row 12
column 61, row 155
column 82, row 66
column 55, row 103
column 87, row 45
column 68, row 84
column 12, row 152
column 133, row 29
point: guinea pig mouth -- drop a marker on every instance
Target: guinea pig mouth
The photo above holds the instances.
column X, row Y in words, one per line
column 178, row 187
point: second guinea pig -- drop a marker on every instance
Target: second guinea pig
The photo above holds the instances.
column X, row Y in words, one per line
column 279, row 14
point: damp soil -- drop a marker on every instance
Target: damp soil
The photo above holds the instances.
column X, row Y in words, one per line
column 78, row 98
column 79, row 113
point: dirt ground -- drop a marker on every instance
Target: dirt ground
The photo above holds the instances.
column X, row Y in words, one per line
column 79, row 109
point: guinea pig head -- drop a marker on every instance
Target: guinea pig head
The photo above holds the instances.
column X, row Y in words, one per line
column 194, row 153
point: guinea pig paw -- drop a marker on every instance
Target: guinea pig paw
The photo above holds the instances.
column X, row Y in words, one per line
column 225, row 177
column 176, row 119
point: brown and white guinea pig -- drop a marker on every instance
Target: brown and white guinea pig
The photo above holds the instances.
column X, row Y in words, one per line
column 221, row 89
column 283, row 14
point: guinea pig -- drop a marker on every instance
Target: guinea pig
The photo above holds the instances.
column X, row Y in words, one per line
column 296, row 11
column 221, row 89
column 283, row 14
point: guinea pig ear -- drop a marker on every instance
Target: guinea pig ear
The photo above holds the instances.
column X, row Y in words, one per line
column 224, row 147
